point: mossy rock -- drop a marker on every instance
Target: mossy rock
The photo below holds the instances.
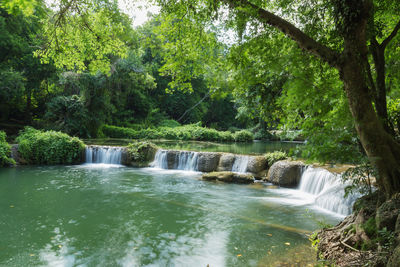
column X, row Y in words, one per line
column 140, row 153
column 387, row 213
column 229, row 177
column 285, row 173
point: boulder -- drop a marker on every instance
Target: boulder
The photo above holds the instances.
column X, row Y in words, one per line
column 257, row 164
column 387, row 213
column 226, row 162
column 229, row 177
column 285, row 173
column 208, row 161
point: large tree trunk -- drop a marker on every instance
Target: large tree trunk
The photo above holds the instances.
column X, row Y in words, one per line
column 382, row 150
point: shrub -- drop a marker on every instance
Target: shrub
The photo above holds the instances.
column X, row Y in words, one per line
column 50, row 147
column 5, row 151
column 119, row 132
column 169, row 123
column 186, row 132
column 275, row 156
column 263, row 135
column 141, row 151
column 243, row 136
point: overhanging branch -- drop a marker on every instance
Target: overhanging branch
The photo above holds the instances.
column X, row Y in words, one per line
column 391, row 36
column 303, row 40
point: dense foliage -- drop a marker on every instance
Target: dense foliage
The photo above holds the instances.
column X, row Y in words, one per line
column 185, row 132
column 141, row 151
column 5, row 152
column 49, row 147
column 275, row 156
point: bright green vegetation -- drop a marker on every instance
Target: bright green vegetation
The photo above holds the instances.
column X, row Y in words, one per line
column 142, row 151
column 5, row 152
column 275, row 156
column 49, row 147
column 83, row 215
column 185, row 132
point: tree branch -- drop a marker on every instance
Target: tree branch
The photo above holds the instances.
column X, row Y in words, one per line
column 391, row 36
column 303, row 40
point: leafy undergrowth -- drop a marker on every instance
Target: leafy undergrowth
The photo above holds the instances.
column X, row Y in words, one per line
column 365, row 238
column 50, row 147
column 185, row 132
column 5, row 151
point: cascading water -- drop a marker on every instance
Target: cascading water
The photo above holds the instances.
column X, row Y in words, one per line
column 327, row 190
column 240, row 164
column 182, row 160
column 103, row 154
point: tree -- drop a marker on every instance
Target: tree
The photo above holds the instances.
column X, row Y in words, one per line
column 343, row 47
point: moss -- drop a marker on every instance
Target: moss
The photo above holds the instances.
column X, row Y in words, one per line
column 141, row 151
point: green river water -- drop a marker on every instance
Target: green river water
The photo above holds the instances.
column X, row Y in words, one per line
column 100, row 215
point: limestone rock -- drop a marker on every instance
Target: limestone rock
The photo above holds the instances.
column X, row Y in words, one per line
column 285, row 173
column 226, row 162
column 172, row 157
column 387, row 213
column 208, row 161
column 229, row 177
column 257, row 164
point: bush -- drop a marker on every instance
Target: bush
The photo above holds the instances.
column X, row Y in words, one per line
column 275, row 156
column 50, row 147
column 5, row 151
column 243, row 136
column 119, row 132
column 169, row 123
column 263, row 135
column 186, row 132
column 141, row 151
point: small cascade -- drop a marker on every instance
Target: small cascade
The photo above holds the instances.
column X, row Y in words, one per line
column 103, row 154
column 160, row 160
column 328, row 190
column 179, row 160
column 240, row 164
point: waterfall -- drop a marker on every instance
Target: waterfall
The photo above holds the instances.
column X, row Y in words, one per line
column 240, row 164
column 328, row 190
column 179, row 160
column 160, row 160
column 103, row 154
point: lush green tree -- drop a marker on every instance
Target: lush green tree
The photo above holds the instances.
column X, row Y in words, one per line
column 21, row 73
column 343, row 45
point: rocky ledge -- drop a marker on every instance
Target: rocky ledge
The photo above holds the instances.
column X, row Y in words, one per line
column 229, row 177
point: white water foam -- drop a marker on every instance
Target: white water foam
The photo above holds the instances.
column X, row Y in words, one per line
column 327, row 190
